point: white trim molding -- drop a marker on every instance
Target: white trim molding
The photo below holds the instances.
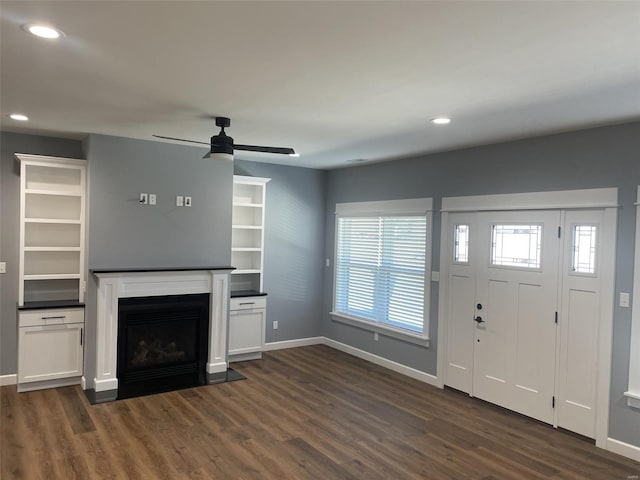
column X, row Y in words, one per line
column 589, row 198
column 624, row 449
column 386, row 207
column 299, row 342
column 633, row 392
column 11, row 379
column 115, row 285
column 384, row 362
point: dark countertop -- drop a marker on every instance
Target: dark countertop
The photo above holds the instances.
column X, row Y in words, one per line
column 247, row 293
column 158, row 269
column 48, row 304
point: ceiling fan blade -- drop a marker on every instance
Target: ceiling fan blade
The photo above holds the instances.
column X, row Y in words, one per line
column 256, row 148
column 181, row 140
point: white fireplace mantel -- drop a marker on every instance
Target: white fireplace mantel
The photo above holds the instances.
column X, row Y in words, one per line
column 116, row 284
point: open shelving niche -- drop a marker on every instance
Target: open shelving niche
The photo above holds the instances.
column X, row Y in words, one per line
column 51, row 271
column 248, row 300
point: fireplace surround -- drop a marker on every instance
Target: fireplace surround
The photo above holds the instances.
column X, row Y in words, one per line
column 116, row 284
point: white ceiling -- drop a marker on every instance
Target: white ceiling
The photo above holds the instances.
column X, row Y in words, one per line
column 336, row 80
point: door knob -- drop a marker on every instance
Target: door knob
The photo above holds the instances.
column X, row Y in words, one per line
column 478, row 319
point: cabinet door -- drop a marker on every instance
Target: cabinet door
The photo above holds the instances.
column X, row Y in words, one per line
column 246, row 331
column 49, row 352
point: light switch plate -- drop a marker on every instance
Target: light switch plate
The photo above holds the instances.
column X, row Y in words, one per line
column 624, row 300
column 3, row 267
column 179, row 201
column 187, row 201
column 144, row 199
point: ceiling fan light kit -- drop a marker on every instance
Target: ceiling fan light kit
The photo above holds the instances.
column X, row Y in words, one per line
column 222, row 145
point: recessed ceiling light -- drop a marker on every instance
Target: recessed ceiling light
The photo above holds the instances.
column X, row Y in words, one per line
column 294, row 154
column 441, row 120
column 43, row 31
column 18, row 116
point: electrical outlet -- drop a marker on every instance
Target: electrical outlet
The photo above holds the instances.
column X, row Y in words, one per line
column 3, row 267
column 187, row 201
column 275, row 324
column 179, row 201
column 144, row 199
column 152, row 199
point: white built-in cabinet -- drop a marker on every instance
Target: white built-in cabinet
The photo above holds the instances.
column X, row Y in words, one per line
column 248, row 301
column 51, row 271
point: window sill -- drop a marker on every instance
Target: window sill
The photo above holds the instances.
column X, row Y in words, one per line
column 633, row 399
column 415, row 338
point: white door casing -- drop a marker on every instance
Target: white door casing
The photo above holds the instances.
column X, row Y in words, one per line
column 603, row 199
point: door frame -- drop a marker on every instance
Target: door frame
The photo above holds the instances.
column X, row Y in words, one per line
column 597, row 198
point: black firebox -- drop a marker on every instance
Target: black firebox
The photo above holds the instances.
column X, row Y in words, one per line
column 162, row 343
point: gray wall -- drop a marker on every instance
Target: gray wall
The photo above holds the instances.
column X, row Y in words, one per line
column 11, row 143
column 602, row 157
column 123, row 233
column 294, row 247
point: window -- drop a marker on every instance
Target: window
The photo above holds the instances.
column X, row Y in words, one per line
column 584, row 249
column 516, row 245
column 633, row 394
column 461, row 244
column 382, row 264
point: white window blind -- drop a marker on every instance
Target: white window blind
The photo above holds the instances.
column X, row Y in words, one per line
column 380, row 269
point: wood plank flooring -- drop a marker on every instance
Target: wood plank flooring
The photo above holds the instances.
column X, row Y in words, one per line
column 303, row 413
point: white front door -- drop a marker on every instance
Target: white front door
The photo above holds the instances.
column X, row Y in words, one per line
column 514, row 354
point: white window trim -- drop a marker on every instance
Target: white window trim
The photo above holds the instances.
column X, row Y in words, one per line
column 389, row 207
column 633, row 393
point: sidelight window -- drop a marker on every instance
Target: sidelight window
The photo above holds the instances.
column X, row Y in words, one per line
column 584, row 249
column 461, row 244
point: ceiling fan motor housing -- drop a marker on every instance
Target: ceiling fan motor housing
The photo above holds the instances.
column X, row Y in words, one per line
column 222, row 144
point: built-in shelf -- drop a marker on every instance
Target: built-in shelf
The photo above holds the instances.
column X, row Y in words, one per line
column 245, row 272
column 251, row 205
column 51, row 272
column 247, row 311
column 60, row 193
column 53, row 276
column 53, row 220
column 52, row 249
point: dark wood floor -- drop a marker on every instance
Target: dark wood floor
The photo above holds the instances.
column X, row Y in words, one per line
column 304, row 413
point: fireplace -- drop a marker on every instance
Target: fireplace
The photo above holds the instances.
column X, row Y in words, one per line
column 116, row 285
column 162, row 343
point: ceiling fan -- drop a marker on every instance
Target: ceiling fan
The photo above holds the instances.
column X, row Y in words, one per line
column 222, row 145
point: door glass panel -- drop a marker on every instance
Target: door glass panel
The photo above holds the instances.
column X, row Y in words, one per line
column 584, row 249
column 516, row 245
column 461, row 244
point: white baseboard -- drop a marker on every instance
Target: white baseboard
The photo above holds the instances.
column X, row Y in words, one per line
column 383, row 362
column 11, row 379
column 300, row 342
column 624, row 449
